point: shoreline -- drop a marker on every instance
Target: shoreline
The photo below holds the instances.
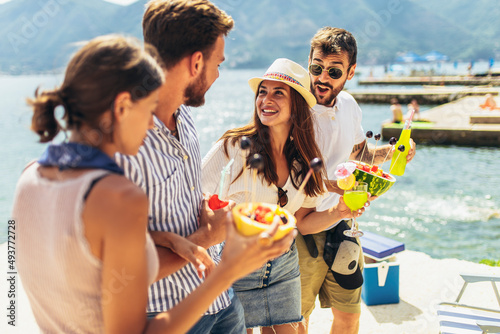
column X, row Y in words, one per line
column 424, row 283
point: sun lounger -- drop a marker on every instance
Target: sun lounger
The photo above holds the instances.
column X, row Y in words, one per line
column 456, row 318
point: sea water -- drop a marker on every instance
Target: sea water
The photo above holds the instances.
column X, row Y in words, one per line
column 447, row 204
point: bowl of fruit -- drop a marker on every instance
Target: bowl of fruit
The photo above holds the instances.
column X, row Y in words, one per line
column 255, row 218
column 378, row 181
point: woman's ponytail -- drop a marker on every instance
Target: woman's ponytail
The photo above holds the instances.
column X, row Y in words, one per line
column 44, row 122
column 97, row 73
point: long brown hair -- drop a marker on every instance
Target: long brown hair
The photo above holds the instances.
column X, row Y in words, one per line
column 300, row 148
column 97, row 73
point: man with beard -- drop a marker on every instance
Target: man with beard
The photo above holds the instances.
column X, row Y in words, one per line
column 340, row 136
column 189, row 37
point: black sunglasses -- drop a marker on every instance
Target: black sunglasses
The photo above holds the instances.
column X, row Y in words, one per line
column 333, row 72
column 282, row 197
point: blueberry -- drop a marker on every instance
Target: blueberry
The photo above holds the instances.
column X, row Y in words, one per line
column 369, row 134
column 256, row 161
column 393, row 141
column 245, row 143
column 401, row 148
column 316, row 164
column 283, row 218
column 378, row 136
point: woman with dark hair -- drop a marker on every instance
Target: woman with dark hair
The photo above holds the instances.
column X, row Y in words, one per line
column 84, row 254
column 282, row 132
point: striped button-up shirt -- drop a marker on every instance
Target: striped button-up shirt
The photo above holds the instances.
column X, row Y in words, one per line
column 169, row 171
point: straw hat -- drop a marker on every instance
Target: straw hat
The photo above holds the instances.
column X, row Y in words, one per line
column 290, row 73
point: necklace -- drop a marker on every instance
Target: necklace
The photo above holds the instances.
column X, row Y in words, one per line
column 174, row 132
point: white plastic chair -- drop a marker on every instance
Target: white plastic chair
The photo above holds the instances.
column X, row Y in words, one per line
column 456, row 318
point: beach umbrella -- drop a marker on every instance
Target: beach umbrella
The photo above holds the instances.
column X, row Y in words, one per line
column 409, row 57
column 435, row 56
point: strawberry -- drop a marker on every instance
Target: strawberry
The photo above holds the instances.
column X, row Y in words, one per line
column 214, row 202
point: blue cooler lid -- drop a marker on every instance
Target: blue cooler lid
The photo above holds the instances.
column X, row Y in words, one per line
column 379, row 246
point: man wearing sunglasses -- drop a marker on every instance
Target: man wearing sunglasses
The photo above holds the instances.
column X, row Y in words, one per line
column 340, row 137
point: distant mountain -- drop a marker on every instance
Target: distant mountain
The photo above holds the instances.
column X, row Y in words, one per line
column 40, row 36
column 479, row 18
column 267, row 29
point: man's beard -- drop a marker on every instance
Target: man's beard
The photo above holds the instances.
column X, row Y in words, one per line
column 327, row 99
column 195, row 92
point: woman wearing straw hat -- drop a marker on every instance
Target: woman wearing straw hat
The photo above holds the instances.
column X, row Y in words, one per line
column 282, row 133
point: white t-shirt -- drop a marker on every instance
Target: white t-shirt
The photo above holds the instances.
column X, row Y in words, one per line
column 337, row 129
column 241, row 191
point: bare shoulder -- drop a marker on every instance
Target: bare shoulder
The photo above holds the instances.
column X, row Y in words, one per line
column 115, row 203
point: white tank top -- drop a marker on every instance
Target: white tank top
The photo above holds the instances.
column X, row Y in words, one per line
column 61, row 276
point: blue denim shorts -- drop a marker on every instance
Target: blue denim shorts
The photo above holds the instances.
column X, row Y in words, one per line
column 271, row 295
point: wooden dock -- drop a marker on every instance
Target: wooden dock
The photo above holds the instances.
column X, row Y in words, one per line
column 426, row 95
column 461, row 122
column 455, row 80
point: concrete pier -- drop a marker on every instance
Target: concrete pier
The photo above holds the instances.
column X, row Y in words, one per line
column 453, row 123
column 492, row 117
column 445, row 80
column 426, row 95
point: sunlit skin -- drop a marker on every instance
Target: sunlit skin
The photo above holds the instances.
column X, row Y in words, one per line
column 139, row 119
column 214, row 61
column 127, row 123
column 273, row 105
column 196, row 90
column 324, row 88
column 188, row 81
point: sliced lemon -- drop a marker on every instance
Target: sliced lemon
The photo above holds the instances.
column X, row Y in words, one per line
column 347, row 182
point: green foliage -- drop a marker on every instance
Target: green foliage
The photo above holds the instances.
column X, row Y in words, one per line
column 489, row 262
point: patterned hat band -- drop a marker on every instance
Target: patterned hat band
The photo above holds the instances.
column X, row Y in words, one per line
column 290, row 73
column 283, row 77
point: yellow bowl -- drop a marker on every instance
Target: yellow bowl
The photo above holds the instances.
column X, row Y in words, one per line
column 247, row 226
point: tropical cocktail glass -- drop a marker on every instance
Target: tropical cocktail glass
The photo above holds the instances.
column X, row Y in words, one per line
column 355, row 199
